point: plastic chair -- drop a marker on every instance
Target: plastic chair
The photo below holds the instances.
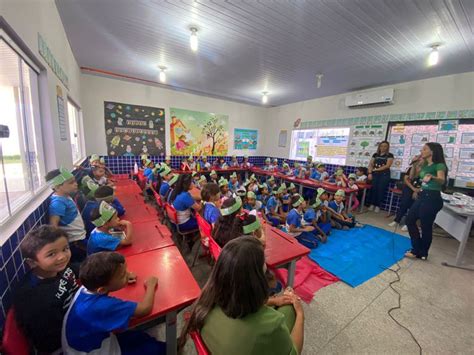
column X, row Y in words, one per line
column 172, row 215
column 214, row 248
column 205, row 230
column 160, row 204
column 14, row 341
column 199, row 344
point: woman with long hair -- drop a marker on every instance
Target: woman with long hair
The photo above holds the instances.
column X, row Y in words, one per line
column 379, row 173
column 183, row 202
column 232, row 314
column 434, row 176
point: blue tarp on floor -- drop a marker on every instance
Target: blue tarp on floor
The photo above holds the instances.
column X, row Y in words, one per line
column 359, row 254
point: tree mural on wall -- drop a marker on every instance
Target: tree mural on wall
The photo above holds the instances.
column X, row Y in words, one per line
column 214, row 131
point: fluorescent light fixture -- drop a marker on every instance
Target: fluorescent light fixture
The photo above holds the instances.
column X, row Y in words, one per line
column 162, row 74
column 433, row 58
column 265, row 97
column 193, row 40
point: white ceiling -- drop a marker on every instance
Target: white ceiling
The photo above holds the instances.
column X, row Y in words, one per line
column 246, row 47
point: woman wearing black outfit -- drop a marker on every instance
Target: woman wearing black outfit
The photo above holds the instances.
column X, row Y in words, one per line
column 433, row 175
column 410, row 190
column 379, row 173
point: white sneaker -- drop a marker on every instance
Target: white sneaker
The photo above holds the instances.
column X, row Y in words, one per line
column 377, row 209
column 392, row 224
column 371, row 208
column 404, row 228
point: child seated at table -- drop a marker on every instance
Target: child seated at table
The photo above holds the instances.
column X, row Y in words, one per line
column 103, row 193
column 184, row 165
column 171, row 186
column 268, row 164
column 98, row 175
column 191, row 163
column 248, row 224
column 320, row 173
column 305, row 235
column 253, row 183
column 315, row 216
column 361, row 173
column 273, row 212
column 223, row 164
column 234, row 163
column 299, row 171
column 149, row 165
column 211, row 196
column 275, row 165
column 230, row 208
column 251, row 202
column 234, row 182
column 285, row 199
column 263, row 194
column 340, row 178
column 224, row 187
column 63, row 212
column 246, row 163
column 339, row 218
column 286, row 169
column 110, row 233
column 213, row 177
column 204, row 164
column 351, row 184
column 165, row 175
column 271, row 183
column 183, row 202
column 94, row 321
column 43, row 295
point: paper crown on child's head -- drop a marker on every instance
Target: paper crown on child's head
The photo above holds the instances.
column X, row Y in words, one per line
column 285, row 165
column 271, row 178
column 148, row 162
column 64, row 175
column 292, row 186
column 309, row 157
column 190, row 158
column 241, row 191
column 268, row 160
column 298, row 202
column 252, row 227
column 280, row 190
column 275, row 160
column 234, row 156
column 252, row 177
column 173, row 180
column 297, row 165
column 283, row 186
column 90, row 184
column 340, row 193
column 144, row 157
column 233, row 175
column 353, row 176
column 339, row 171
column 223, row 182
column 202, row 179
column 246, row 182
column 232, row 209
column 194, row 173
column 316, row 203
column 94, row 158
column 262, row 186
column 320, row 191
column 167, row 157
column 204, row 157
column 320, row 165
column 213, row 172
column 106, row 213
column 251, row 194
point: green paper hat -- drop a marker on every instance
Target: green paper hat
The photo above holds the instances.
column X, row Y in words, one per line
column 339, row 172
column 167, row 157
column 340, row 193
column 316, row 203
column 234, row 156
column 283, row 185
column 144, row 157
column 309, row 157
column 106, row 213
column 292, row 186
column 252, row 177
column 246, row 156
column 223, row 182
column 233, row 175
column 173, row 180
column 241, row 191
column 102, row 160
column 202, row 179
column 352, row 176
column 252, row 227
column 165, row 171
column 264, row 185
column 89, row 185
column 203, row 157
column 232, row 209
column 297, row 165
column 191, row 158
column 268, row 160
column 272, row 178
column 64, row 175
column 213, row 172
column 320, row 165
column 194, row 173
column 94, row 157
column 251, row 194
column 246, row 182
column 280, row 190
column 285, row 165
column 275, row 160
column 147, row 162
column 298, row 202
column 320, row 191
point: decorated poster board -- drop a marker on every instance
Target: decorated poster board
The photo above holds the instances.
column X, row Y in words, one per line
column 198, row 133
column 363, row 143
column 245, row 139
column 456, row 138
column 132, row 130
column 61, row 113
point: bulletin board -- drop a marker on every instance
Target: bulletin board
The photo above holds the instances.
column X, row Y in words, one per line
column 363, row 143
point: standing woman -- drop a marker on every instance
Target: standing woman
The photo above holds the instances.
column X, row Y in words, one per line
column 433, row 175
column 379, row 173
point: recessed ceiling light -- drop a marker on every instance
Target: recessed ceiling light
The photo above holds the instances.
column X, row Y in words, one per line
column 433, row 58
column 193, row 39
column 162, row 74
column 265, row 97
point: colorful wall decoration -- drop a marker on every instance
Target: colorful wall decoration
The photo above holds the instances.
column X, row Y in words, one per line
column 245, row 139
column 198, row 133
column 133, row 130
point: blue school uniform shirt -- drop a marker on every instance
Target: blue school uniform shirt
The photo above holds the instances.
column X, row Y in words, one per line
column 182, row 203
column 272, row 203
column 310, row 215
column 90, row 321
column 147, row 172
column 293, row 218
column 315, row 175
column 234, row 187
column 64, row 207
column 338, row 208
column 164, row 188
column 86, row 215
column 100, row 241
column 211, row 213
column 118, row 207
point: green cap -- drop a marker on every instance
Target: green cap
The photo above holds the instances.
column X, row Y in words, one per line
column 106, row 213
column 340, row 193
column 285, row 165
column 191, row 158
column 320, row 191
column 280, row 190
column 352, row 176
column 275, row 160
column 94, row 157
column 339, row 172
column 194, row 173
column 223, row 182
column 283, row 185
column 147, row 162
column 203, row 157
column 316, row 203
column 165, row 170
column 89, row 185
column 297, row 165
column 173, row 180
column 252, row 177
column 251, row 194
column 252, row 227
column 144, row 157
column 320, row 165
column 202, row 179
column 234, row 208
column 167, row 157
column 60, row 179
column 298, row 202
column 264, row 185
column 233, row 175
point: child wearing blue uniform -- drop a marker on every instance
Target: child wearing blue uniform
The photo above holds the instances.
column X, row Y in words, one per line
column 340, row 219
column 171, row 184
column 211, row 195
column 234, row 182
column 272, row 208
column 251, row 203
column 165, row 176
column 224, row 187
column 294, row 224
column 183, row 202
column 94, row 320
column 286, row 169
column 105, row 219
column 285, row 199
column 263, row 194
column 149, row 165
column 268, row 165
column 314, row 216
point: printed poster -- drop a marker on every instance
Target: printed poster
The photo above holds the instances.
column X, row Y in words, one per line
column 420, row 138
column 467, row 138
column 446, row 138
column 282, row 137
column 451, row 125
column 302, row 149
column 466, row 153
column 364, row 142
column 198, row 133
column 245, row 139
column 132, row 130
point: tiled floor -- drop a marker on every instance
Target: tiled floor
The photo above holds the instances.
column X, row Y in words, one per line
column 437, row 306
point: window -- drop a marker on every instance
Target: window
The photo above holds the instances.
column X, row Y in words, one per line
column 21, row 167
column 326, row 145
column 75, row 131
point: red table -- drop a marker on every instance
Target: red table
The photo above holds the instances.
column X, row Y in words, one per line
column 127, row 189
column 140, row 213
column 148, row 236
column 131, row 200
column 177, row 287
column 283, row 250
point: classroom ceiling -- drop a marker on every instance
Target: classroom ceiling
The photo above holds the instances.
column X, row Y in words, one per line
column 246, row 47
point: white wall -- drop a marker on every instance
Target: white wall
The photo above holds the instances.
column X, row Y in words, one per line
column 28, row 18
column 453, row 92
column 96, row 90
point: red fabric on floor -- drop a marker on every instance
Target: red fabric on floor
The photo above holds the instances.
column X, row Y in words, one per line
column 309, row 278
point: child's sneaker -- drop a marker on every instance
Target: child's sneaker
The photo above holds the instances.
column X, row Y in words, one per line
column 377, row 209
column 404, row 228
column 359, row 225
column 371, row 208
column 392, row 224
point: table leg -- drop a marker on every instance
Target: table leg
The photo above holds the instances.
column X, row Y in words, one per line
column 171, row 334
column 390, row 205
column 462, row 246
column 362, row 203
column 291, row 273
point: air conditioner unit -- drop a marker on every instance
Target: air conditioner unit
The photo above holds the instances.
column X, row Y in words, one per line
column 375, row 97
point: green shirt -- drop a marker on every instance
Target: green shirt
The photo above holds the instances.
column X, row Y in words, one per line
column 259, row 333
column 433, row 170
